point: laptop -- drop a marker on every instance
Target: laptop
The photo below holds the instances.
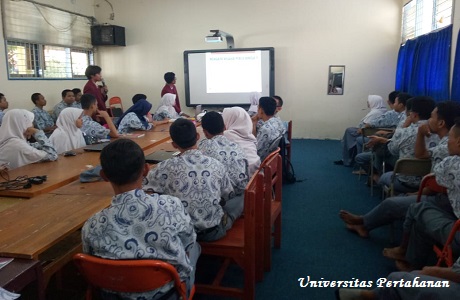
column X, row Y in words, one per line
column 159, row 156
column 96, row 147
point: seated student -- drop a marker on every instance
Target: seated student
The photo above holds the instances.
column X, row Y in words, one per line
column 43, row 119
column 238, row 128
column 77, row 94
column 201, row 182
column 395, row 208
column 165, row 110
column 229, row 153
column 271, row 130
column 137, row 225
column 3, row 106
column 377, row 106
column 91, row 128
column 430, row 222
column 279, row 104
column 401, row 291
column 135, row 118
column 68, row 136
column 254, row 103
column 138, row 97
column 68, row 100
column 15, row 150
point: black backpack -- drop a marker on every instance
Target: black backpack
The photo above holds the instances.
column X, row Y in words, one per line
column 288, row 169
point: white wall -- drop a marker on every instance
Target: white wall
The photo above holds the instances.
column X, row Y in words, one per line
column 308, row 36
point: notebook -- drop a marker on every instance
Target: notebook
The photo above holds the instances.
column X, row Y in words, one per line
column 96, row 147
column 159, row 156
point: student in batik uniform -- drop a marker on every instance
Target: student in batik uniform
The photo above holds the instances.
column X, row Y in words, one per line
column 201, row 182
column 135, row 118
column 166, row 110
column 395, row 208
column 15, row 150
column 77, row 94
column 68, row 100
column 229, row 153
column 91, row 128
column 43, row 119
column 137, row 225
column 68, row 136
column 3, row 106
column 271, row 130
column 170, row 88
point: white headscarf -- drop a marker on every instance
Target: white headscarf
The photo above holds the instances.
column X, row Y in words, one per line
column 238, row 126
column 167, row 104
column 14, row 148
column 254, row 100
column 67, row 135
column 377, row 106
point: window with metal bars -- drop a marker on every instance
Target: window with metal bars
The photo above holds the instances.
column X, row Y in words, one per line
column 420, row 17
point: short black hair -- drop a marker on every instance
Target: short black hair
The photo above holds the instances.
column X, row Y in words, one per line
column 183, row 133
column 392, row 96
column 87, row 100
column 213, row 122
column 169, row 77
column 448, row 111
column 122, row 161
column 423, row 105
column 92, row 70
column 268, row 105
column 403, row 97
column 76, row 91
column 138, row 97
column 64, row 92
column 280, row 101
column 34, row 97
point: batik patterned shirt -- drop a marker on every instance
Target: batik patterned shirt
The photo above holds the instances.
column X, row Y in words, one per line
column 447, row 174
column 1, row 116
column 59, row 107
column 163, row 114
column 198, row 180
column 439, row 152
column 389, row 119
column 44, row 144
column 230, row 155
column 42, row 118
column 267, row 134
column 131, row 122
column 93, row 129
column 141, row 226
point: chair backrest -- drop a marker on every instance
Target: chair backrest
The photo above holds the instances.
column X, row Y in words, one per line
column 274, row 144
column 270, row 156
column 115, row 101
column 128, row 276
column 412, row 167
column 289, row 131
column 429, row 181
column 273, row 182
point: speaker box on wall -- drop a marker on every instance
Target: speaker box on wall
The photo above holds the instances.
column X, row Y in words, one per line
column 108, row 35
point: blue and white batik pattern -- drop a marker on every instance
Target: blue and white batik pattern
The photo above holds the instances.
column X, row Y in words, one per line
column 164, row 114
column 198, row 180
column 60, row 106
column 93, row 129
column 447, row 174
column 402, row 120
column 42, row 118
column 44, row 144
column 267, row 134
column 131, row 122
column 141, row 226
column 439, row 152
column 1, row 116
column 230, row 155
column 389, row 119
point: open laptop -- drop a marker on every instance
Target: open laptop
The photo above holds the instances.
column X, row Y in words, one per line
column 159, row 156
column 96, row 147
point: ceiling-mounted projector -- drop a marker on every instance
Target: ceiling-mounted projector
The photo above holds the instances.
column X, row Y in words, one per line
column 213, row 39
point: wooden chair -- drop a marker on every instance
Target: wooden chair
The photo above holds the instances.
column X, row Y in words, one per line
column 116, row 106
column 239, row 245
column 128, row 276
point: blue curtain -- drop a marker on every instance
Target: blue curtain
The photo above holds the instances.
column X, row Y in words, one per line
column 424, row 64
column 455, row 96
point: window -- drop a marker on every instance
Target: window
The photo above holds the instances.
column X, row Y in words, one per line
column 423, row 16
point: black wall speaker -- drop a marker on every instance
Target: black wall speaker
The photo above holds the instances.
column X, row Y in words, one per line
column 108, row 35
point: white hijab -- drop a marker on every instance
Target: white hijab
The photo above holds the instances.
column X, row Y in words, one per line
column 167, row 104
column 377, row 106
column 14, row 147
column 254, row 100
column 238, row 126
column 67, row 135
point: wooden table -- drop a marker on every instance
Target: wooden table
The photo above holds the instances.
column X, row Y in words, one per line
column 21, row 272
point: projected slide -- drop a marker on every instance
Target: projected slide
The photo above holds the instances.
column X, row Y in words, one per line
column 233, row 72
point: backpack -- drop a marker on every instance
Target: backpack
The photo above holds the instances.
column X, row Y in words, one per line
column 287, row 167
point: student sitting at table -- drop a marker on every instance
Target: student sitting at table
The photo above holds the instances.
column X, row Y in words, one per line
column 3, row 106
column 229, row 153
column 137, row 225
column 135, row 118
column 201, row 182
column 166, row 109
column 43, row 120
column 138, row 97
column 15, row 150
column 77, row 94
column 91, row 128
column 68, row 135
column 68, row 100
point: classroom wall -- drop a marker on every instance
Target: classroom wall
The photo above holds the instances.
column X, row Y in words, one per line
column 308, row 36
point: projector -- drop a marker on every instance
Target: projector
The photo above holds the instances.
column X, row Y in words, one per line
column 213, row 39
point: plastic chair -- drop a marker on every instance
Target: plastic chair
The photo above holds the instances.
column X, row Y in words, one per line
column 116, row 106
column 128, row 276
